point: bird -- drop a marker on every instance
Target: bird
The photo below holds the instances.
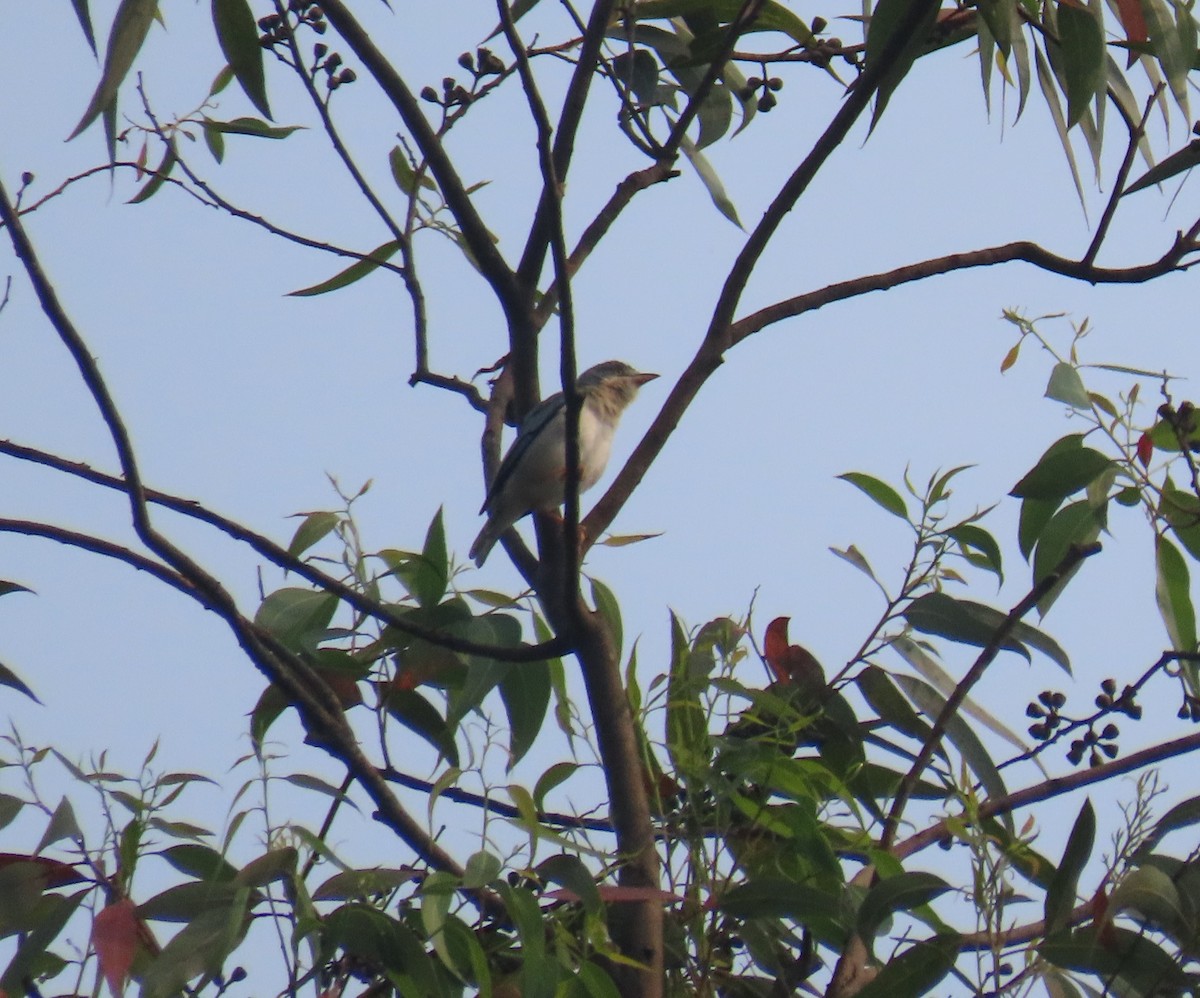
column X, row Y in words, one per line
column 533, row 473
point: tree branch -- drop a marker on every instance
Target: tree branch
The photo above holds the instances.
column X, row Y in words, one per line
column 279, row 556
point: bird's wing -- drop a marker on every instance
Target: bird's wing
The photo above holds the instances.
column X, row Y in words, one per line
column 532, row 426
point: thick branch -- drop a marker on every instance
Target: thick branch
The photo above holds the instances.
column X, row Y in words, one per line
column 1174, row 259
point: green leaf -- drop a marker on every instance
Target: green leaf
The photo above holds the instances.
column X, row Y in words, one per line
column 558, row 773
column 312, row 528
column 13, row 681
column 355, row 272
column 899, row 893
column 252, row 126
column 54, row 912
column 1049, row 90
column 959, row 732
column 772, row 16
column 979, row 547
column 1128, row 961
column 380, row 940
column 1076, row 524
column 537, row 974
column 1064, row 885
column 351, row 884
column 712, row 183
column 1172, row 590
column 610, row 610
column 916, row 971
column 298, row 618
column 896, row 34
column 1061, row 472
column 687, row 726
column 1181, row 510
column 525, row 691
column 882, row 493
column 637, row 69
column 199, row 861
column 420, row 716
column 569, row 871
column 215, row 140
column 887, row 701
column 1065, row 384
column 1155, row 896
column 238, row 36
column 159, row 177
column 130, row 27
column 959, row 620
column 1081, row 37
column 824, row 913
column 1173, row 42
column 85, row 22
column 1176, row 163
column 62, row 825
column 404, row 174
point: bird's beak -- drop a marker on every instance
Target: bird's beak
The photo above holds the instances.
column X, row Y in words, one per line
column 641, row 379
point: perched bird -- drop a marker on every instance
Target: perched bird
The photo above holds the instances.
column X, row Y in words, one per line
column 533, row 473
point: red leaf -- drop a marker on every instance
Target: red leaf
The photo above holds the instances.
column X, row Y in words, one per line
column 1145, row 448
column 775, row 647
column 115, row 935
column 1133, row 20
column 792, row 664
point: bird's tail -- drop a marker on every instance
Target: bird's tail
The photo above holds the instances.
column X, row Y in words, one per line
column 484, row 543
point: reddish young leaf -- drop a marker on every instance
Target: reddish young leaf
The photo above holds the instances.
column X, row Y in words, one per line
column 1133, row 21
column 1145, row 448
column 790, row 664
column 775, row 647
column 115, row 935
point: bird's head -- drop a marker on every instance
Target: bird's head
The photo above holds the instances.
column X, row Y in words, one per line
column 612, row 384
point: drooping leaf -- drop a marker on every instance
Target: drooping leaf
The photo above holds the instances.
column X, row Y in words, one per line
column 238, row 36
column 897, row 34
column 569, row 871
column 85, row 22
column 1172, row 591
column 13, row 681
column 979, row 547
column 420, row 716
column 931, row 703
column 159, row 177
column 687, row 727
column 1081, row 37
column 130, row 27
column 712, row 182
column 525, row 691
column 115, row 938
column 1049, row 90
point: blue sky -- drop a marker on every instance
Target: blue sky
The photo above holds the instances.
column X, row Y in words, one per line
column 246, row 400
